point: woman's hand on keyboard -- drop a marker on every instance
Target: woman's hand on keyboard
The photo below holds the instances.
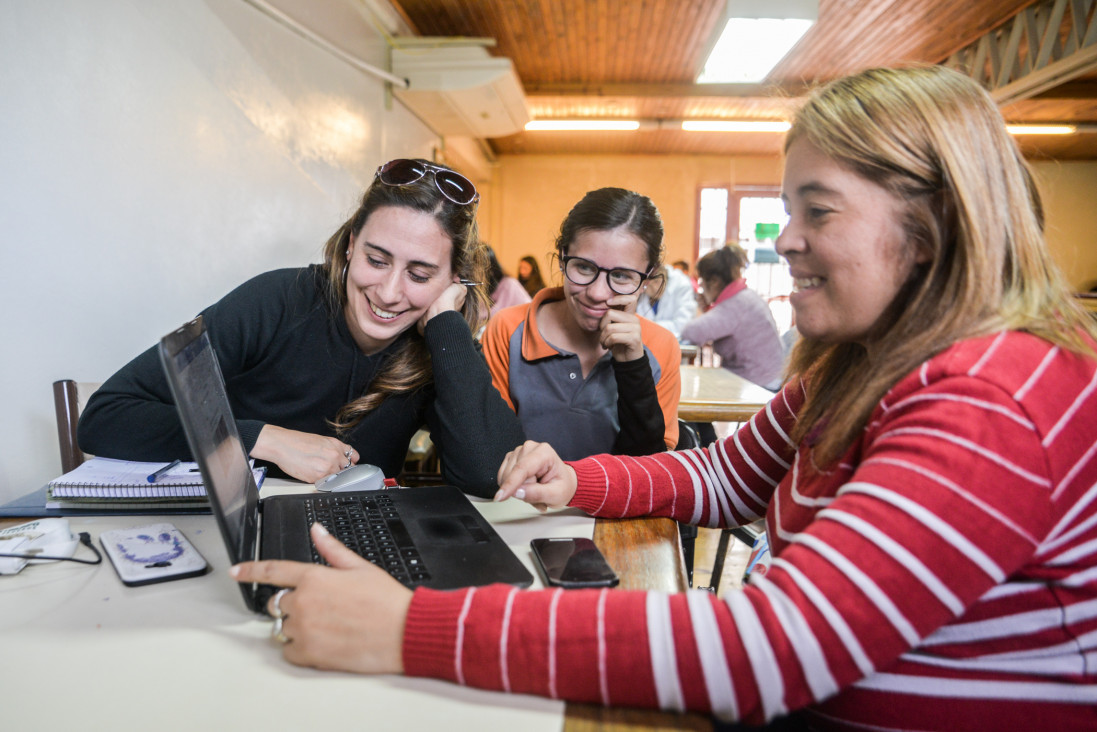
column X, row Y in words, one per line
column 534, row 473
column 303, row 455
column 346, row 617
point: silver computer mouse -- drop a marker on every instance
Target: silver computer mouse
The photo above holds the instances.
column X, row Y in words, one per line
column 363, row 477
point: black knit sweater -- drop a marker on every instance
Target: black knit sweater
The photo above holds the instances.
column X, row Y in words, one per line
column 289, row 360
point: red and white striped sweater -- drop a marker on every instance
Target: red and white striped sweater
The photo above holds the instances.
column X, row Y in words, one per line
column 943, row 576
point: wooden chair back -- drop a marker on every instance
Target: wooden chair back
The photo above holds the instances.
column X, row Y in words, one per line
column 69, row 398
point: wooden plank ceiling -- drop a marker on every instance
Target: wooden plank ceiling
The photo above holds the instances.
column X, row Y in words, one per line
column 638, row 59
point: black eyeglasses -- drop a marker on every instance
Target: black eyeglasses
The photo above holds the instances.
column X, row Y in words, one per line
column 454, row 186
column 621, row 280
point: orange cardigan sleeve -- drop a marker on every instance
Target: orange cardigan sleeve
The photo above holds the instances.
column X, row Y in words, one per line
column 496, row 345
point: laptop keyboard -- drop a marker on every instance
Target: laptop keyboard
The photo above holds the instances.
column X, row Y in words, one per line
column 371, row 527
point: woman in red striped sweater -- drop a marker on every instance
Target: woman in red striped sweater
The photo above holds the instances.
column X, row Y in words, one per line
column 928, row 474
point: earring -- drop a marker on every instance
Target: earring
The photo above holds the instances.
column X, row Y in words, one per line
column 346, row 263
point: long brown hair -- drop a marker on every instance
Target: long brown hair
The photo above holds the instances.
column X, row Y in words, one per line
column 934, row 139
column 409, row 367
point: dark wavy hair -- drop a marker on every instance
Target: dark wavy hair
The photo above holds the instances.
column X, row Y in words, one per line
column 495, row 273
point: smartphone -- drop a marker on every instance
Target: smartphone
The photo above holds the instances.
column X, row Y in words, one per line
column 144, row 555
column 572, row 563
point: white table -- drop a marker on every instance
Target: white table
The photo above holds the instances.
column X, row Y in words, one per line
column 81, row 651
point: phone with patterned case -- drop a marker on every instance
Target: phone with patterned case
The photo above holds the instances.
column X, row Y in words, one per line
column 144, row 555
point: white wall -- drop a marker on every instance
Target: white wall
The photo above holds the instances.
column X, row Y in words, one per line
column 152, row 156
column 1067, row 188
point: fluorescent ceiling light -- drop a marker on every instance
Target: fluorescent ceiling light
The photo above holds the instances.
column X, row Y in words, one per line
column 582, row 125
column 730, row 125
column 1041, row 129
column 755, row 36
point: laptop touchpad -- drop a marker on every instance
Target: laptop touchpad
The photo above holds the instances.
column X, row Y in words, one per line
column 452, row 529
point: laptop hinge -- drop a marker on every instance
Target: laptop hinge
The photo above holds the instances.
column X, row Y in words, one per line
column 255, row 550
column 258, row 536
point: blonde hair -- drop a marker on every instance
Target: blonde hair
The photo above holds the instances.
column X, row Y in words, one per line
column 409, row 367
column 935, row 140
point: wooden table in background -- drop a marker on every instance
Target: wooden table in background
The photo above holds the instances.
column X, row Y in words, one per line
column 716, row 395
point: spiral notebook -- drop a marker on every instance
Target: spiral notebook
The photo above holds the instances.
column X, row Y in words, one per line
column 105, row 481
column 105, row 478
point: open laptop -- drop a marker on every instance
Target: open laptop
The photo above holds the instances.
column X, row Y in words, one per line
column 435, row 536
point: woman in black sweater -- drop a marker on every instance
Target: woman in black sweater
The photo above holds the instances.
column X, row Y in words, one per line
column 342, row 362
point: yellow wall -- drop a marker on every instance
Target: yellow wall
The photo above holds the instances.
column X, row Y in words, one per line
column 1069, row 191
column 531, row 195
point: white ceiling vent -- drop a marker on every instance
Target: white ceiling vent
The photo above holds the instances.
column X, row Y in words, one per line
column 460, row 90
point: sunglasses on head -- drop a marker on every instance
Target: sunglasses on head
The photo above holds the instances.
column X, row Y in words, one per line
column 454, row 186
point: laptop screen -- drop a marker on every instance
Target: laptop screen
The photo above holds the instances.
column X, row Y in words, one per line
column 448, row 541
column 199, row 392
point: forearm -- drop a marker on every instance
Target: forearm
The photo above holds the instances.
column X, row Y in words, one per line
column 705, row 329
column 438, row 644
column 641, row 419
column 728, row 486
column 606, row 647
column 132, row 416
column 470, row 424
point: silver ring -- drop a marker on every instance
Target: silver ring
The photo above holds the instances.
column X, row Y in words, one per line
column 276, row 632
column 276, row 604
column 347, row 453
column 347, row 465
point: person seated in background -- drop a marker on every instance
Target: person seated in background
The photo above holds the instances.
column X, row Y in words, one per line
column 503, row 290
column 529, row 274
column 683, row 266
column 341, row 362
column 927, row 474
column 578, row 366
column 670, row 302
column 737, row 320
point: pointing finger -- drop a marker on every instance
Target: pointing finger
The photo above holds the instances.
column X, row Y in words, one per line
column 277, row 572
column 333, row 550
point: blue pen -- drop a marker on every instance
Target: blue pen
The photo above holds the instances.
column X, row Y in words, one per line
column 155, row 476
